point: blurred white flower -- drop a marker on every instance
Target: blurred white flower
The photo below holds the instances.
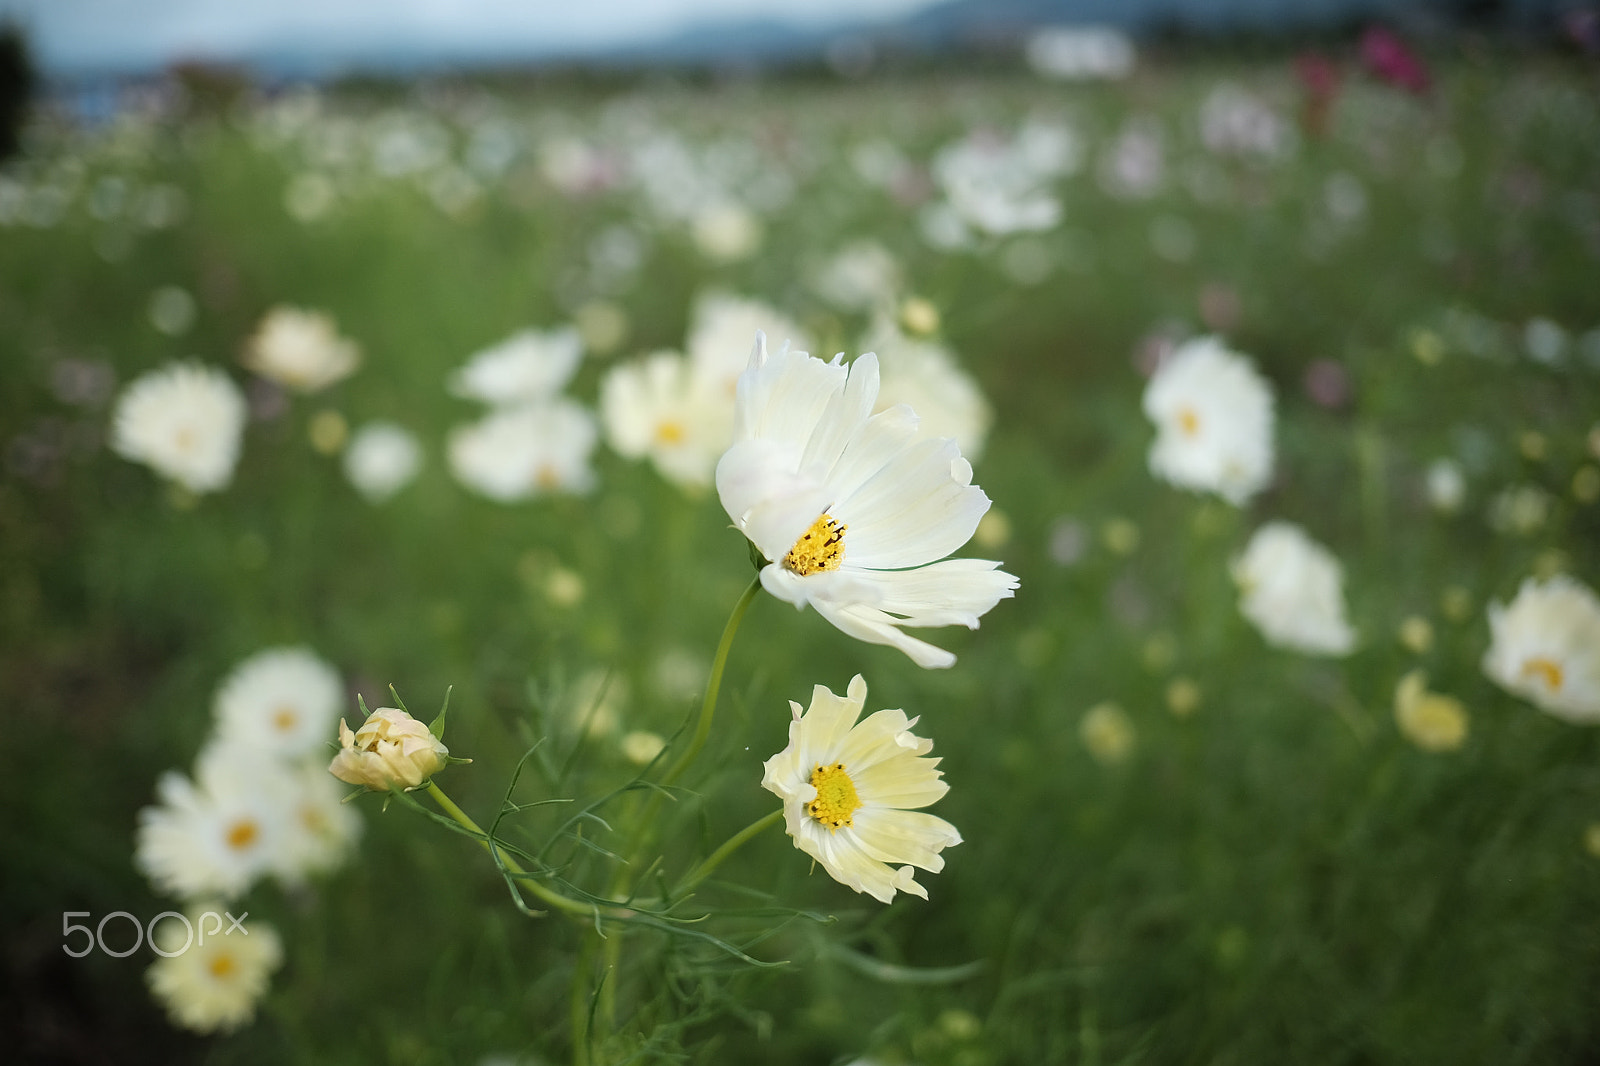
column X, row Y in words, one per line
column 1107, row 731
column 1134, row 165
column 280, row 701
column 521, row 452
column 309, row 196
column 720, row 329
column 640, row 747
column 1545, row 647
column 220, row 832
column 183, row 421
column 1236, row 122
column 657, row 408
column 999, row 186
column 172, row 310
column 860, row 276
column 851, row 790
column 1345, row 197
column 381, row 459
column 1519, row 509
column 1292, row 589
column 926, row 377
column 727, row 232
column 1447, row 485
column 1430, row 720
column 596, row 701
column 1080, row 53
column 300, row 350
column 1545, row 341
column 210, row 982
column 856, row 511
column 320, row 829
column 1214, row 418
column 526, row 367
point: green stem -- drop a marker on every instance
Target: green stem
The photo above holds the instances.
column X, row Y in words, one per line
column 708, row 708
column 549, row 896
column 733, row 844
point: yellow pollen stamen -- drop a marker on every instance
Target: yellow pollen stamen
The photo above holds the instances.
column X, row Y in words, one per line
column 819, row 548
column 222, row 966
column 283, row 719
column 242, row 834
column 1188, row 422
column 670, row 433
column 836, row 802
column 547, row 478
column 1546, row 670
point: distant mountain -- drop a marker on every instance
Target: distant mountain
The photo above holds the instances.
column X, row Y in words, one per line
column 953, row 25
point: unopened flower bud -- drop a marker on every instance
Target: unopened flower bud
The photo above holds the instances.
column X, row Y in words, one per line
column 391, row 748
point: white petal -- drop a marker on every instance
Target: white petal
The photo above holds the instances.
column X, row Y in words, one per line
column 913, row 511
column 875, row 627
column 949, row 592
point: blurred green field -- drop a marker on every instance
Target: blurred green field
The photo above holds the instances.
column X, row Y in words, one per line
column 1278, row 876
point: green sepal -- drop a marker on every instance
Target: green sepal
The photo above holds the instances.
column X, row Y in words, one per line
column 757, row 560
column 436, row 727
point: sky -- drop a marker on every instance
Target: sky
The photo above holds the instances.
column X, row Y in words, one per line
column 70, row 36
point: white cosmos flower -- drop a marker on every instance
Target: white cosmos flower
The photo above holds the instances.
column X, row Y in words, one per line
column 656, row 407
column 183, row 421
column 220, row 832
column 300, row 350
column 1213, row 416
column 320, row 828
column 281, row 701
column 926, row 377
column 850, row 793
column 526, row 367
column 1545, row 647
column 860, row 276
column 381, row 459
column 1292, row 589
column 719, row 341
column 856, row 511
column 212, row 983
column 522, row 452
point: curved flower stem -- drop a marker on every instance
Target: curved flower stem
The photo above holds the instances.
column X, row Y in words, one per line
column 708, row 708
column 731, row 845
column 549, row 896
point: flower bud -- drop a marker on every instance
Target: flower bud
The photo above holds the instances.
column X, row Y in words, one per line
column 391, row 748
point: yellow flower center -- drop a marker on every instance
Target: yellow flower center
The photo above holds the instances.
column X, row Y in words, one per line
column 670, row 433
column 1188, row 422
column 836, row 801
column 819, row 548
column 547, row 478
column 283, row 719
column 242, row 834
column 1546, row 670
column 222, row 966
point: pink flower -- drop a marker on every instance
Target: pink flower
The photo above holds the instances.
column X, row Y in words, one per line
column 1387, row 56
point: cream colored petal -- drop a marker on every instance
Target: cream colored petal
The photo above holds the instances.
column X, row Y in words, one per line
column 914, row 837
column 827, row 723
